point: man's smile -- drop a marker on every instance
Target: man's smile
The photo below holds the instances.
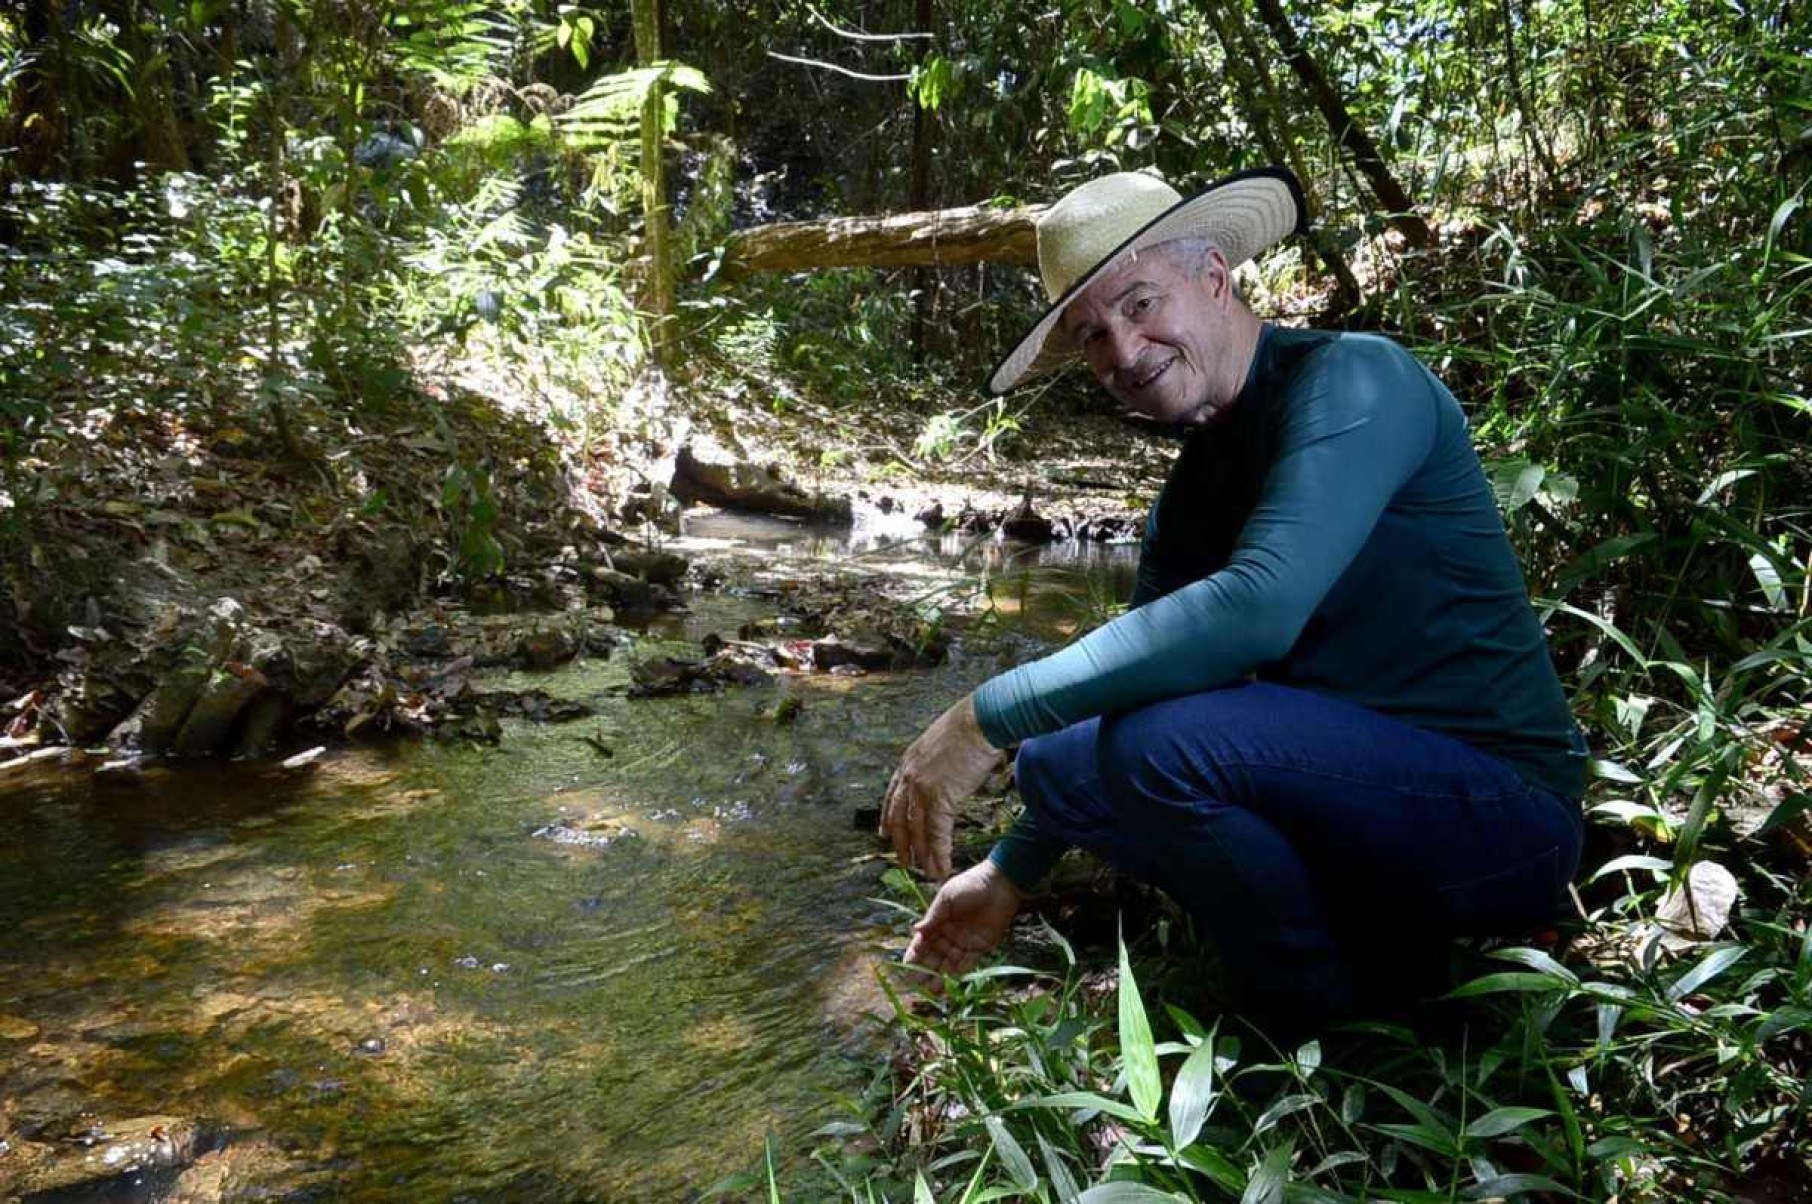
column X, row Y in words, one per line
column 1139, row 380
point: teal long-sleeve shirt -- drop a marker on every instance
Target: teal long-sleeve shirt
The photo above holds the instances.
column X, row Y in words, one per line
column 1334, row 533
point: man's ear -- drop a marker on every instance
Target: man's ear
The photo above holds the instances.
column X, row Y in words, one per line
column 1220, row 281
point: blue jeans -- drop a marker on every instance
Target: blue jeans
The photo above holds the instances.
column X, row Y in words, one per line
column 1321, row 846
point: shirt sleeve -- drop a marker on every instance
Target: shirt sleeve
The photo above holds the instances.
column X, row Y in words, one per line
column 1357, row 419
column 1025, row 854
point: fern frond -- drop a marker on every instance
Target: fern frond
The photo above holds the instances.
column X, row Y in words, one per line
column 611, row 109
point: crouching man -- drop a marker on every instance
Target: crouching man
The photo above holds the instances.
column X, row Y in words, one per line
column 1328, row 725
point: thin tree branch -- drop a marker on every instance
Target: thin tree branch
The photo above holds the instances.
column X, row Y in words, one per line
column 878, row 79
column 856, row 36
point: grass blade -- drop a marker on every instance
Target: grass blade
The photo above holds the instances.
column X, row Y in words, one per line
column 1137, row 1051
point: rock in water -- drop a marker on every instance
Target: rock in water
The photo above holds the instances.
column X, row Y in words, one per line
column 229, row 690
column 161, row 715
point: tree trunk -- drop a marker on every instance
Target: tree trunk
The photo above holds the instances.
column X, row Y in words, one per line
column 160, row 140
column 901, row 240
column 1266, row 113
column 918, row 193
column 39, row 122
column 1525, row 103
column 1367, row 157
column 658, row 299
column 276, row 98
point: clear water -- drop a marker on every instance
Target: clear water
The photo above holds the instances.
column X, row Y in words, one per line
column 378, row 981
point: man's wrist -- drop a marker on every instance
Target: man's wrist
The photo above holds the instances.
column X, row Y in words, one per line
column 997, row 879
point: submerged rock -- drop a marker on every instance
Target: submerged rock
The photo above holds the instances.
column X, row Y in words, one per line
column 546, row 647
column 121, row 1159
column 591, row 833
column 160, row 717
column 666, row 675
column 227, row 692
column 864, row 649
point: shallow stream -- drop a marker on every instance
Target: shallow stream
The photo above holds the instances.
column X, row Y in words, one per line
column 604, row 960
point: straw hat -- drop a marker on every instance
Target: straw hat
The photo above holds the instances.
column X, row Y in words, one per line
column 1095, row 225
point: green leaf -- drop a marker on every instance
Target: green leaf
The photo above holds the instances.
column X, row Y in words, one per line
column 1516, row 483
column 1423, row 1136
column 1498, row 984
column 1769, row 578
column 1118, row 1191
column 1500, row 1121
column 1426, row 1117
column 1352, row 1102
column 1192, row 1094
column 1282, row 1108
column 930, row 82
column 1267, row 1186
column 1721, row 482
column 1608, row 628
column 1507, row 1186
column 1012, row 1155
column 1137, row 1052
column 1611, row 771
column 1783, row 213
column 1535, row 959
column 1631, row 861
column 1714, row 964
column 1062, row 1182
column 1085, row 1100
column 1215, row 1165
column 1786, row 1020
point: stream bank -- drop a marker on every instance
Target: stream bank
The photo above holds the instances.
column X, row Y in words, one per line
column 188, row 588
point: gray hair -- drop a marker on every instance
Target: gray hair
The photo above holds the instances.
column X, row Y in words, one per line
column 1190, row 254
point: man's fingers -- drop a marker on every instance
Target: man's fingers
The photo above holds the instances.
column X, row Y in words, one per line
column 915, row 832
column 943, row 833
column 896, row 813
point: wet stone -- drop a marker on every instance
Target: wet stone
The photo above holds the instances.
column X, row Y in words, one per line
column 546, row 648
column 109, row 1160
column 667, row 676
column 586, row 834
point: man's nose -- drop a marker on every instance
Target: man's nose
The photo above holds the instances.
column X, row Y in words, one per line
column 1122, row 347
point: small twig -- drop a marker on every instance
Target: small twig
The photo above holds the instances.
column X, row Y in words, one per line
column 856, row 36
column 862, row 75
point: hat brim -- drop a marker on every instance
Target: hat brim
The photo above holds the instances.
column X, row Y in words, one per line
column 1243, row 214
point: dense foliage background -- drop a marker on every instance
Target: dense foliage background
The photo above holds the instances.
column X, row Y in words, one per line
column 273, row 225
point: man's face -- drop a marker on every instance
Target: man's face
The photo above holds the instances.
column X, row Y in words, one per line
column 1156, row 336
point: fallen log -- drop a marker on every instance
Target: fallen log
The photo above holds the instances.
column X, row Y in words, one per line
column 939, row 237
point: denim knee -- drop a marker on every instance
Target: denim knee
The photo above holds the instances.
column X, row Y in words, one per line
column 1151, row 772
column 1058, row 781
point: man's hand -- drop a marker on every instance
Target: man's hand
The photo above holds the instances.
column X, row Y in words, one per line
column 966, row 920
column 942, row 767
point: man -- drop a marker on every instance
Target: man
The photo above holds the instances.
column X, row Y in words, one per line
column 1328, row 726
